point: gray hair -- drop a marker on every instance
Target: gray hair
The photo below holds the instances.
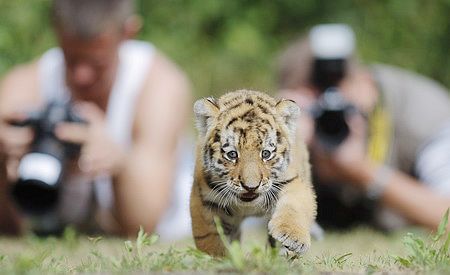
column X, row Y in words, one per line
column 89, row 18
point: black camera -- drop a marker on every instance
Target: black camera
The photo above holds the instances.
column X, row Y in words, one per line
column 330, row 114
column 332, row 45
column 41, row 171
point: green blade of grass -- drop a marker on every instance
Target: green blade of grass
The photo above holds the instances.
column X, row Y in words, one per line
column 442, row 227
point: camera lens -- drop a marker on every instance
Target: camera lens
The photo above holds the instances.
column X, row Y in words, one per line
column 331, row 128
column 330, row 115
column 35, row 197
column 36, row 190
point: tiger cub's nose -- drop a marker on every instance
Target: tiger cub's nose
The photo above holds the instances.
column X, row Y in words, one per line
column 250, row 187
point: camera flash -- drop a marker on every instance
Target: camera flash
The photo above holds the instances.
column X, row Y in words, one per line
column 332, row 41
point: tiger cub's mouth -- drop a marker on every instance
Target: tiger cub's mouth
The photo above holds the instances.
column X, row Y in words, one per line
column 249, row 196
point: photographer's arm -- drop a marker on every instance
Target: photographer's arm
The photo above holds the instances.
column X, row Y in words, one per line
column 18, row 94
column 10, row 223
column 143, row 189
column 407, row 196
column 427, row 200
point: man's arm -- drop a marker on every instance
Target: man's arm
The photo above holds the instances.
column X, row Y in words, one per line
column 10, row 222
column 433, row 170
column 18, row 94
column 143, row 189
column 408, row 197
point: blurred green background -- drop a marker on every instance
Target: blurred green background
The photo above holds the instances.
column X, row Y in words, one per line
column 229, row 44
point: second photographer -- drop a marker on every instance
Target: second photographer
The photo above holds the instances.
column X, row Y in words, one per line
column 377, row 135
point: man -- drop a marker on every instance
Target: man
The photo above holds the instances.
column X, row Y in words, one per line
column 135, row 101
column 393, row 167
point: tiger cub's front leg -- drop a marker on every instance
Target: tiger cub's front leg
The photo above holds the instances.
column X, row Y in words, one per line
column 204, row 229
column 293, row 217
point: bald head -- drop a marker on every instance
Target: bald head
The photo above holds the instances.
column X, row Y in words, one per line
column 89, row 18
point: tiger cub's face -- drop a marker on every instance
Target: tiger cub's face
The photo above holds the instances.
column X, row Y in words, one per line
column 246, row 138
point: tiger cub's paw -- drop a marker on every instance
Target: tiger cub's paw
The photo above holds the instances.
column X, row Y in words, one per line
column 292, row 237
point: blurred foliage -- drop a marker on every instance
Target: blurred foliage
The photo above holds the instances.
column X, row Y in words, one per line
column 224, row 45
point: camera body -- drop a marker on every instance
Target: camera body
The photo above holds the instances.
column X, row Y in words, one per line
column 330, row 115
column 332, row 45
column 41, row 171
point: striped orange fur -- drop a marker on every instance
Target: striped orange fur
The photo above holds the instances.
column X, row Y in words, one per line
column 250, row 161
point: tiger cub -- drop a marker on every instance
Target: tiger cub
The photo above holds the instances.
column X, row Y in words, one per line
column 250, row 162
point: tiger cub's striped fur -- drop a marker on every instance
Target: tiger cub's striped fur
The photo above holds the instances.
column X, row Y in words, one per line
column 250, row 161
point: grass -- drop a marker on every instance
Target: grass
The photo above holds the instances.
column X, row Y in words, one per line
column 358, row 251
column 430, row 254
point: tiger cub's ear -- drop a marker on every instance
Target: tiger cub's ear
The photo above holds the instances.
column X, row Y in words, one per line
column 289, row 111
column 205, row 109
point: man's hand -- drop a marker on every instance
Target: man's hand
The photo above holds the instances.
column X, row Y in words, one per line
column 14, row 141
column 349, row 161
column 99, row 153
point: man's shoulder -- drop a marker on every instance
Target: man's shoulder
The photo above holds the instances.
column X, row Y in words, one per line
column 19, row 72
column 162, row 68
column 406, row 90
column 166, row 74
column 166, row 95
column 29, row 69
column 400, row 77
column 20, row 77
column 19, row 87
column 418, row 105
column 153, row 75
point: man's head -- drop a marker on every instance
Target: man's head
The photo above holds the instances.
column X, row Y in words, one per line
column 322, row 58
column 89, row 33
column 298, row 66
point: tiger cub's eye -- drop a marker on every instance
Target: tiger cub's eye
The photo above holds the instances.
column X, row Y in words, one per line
column 266, row 154
column 232, row 155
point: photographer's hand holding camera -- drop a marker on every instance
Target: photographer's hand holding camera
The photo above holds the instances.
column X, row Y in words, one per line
column 121, row 101
column 377, row 136
column 99, row 154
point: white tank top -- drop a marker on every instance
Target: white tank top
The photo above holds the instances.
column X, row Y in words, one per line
column 135, row 61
